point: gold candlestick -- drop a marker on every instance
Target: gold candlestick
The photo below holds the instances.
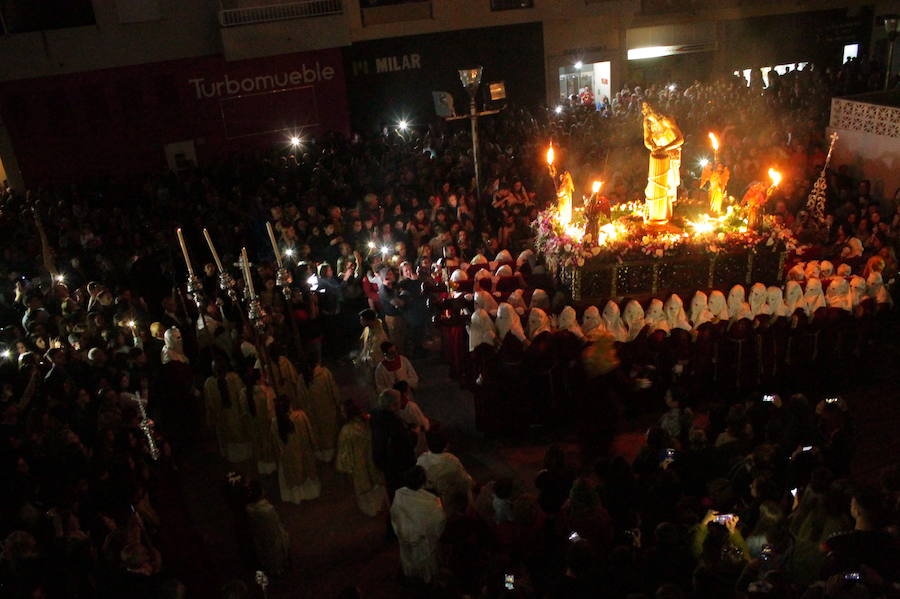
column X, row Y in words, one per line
column 213, row 251
column 274, row 243
column 187, row 258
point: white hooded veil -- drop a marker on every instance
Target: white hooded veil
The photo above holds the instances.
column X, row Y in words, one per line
column 813, row 297
column 537, row 322
column 634, row 319
column 590, row 320
column 700, row 312
column 844, row 270
column 876, row 289
column 568, row 321
column 486, row 302
column 737, row 307
column 838, row 295
column 758, row 300
column 675, row 316
column 826, row 269
column 655, row 316
column 812, row 270
column 775, row 301
column 717, row 305
column 540, row 299
column 173, row 350
column 516, row 300
column 858, row 290
column 481, row 330
column 508, row 321
column 796, row 273
column 793, row 297
column 612, row 321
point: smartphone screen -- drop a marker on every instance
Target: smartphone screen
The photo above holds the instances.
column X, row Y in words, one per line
column 807, row 448
column 723, row 518
column 769, row 398
column 509, row 582
column 794, row 491
column 574, row 537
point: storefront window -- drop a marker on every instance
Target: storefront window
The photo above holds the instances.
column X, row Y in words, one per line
column 587, row 83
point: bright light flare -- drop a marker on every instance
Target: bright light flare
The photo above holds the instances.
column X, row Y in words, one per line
column 714, row 141
column 579, row 64
column 558, row 109
column 385, row 250
column 371, row 245
column 60, row 278
column 575, row 232
column 403, row 125
column 703, row 162
column 6, row 354
column 775, row 176
column 295, row 141
column 550, row 155
column 289, row 252
column 596, row 186
column 672, row 87
column 131, row 324
column 313, row 282
column 704, row 225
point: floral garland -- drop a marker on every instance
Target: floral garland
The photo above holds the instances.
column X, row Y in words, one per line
column 628, row 238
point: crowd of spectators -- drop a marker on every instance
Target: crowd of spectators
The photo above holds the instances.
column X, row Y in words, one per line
column 94, row 293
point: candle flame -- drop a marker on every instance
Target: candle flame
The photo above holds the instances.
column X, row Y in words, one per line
column 596, row 186
column 775, row 176
column 714, row 141
column 550, row 155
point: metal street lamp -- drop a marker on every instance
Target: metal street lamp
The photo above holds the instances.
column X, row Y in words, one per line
column 892, row 28
column 471, row 80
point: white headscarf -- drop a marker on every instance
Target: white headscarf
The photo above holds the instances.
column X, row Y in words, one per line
column 838, row 295
column 826, row 269
column 482, row 274
column 481, row 330
column 504, row 257
column 876, row 289
column 858, row 289
column 568, row 321
column 509, row 322
column 540, row 299
column 853, row 249
column 537, row 322
column 793, row 297
column 775, row 301
column 813, row 297
column 656, row 316
column 675, row 316
column 590, row 320
column 516, row 300
column 812, row 270
column 737, row 307
column 844, row 270
column 503, row 271
column 457, row 277
column 700, row 312
column 757, row 300
column 796, row 273
column 717, row 305
column 486, row 302
column 527, row 256
column 634, row 319
column 612, row 321
column 478, row 260
column 173, row 351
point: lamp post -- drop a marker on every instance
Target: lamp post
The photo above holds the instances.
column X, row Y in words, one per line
column 471, row 80
column 892, row 28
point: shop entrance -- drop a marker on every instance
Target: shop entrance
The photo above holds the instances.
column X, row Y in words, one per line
column 587, row 82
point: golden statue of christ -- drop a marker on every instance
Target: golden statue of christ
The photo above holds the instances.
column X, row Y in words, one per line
column 664, row 140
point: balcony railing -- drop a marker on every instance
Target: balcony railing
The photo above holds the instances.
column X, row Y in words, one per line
column 305, row 9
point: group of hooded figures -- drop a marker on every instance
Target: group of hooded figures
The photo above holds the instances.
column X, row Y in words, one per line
column 740, row 339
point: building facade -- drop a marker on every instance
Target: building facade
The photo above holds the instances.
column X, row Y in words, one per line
column 111, row 87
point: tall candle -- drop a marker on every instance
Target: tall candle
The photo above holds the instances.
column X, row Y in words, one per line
column 187, row 259
column 274, row 243
column 247, row 276
column 212, row 249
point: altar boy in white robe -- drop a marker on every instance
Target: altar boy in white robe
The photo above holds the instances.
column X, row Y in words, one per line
column 418, row 519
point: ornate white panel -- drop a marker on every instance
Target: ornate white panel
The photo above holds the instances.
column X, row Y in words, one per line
column 868, row 118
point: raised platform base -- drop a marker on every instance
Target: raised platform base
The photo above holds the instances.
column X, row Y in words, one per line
column 601, row 279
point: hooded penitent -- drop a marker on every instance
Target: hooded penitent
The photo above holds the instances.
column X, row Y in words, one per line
column 826, row 269
column 173, row 351
column 717, row 305
column 796, row 273
column 775, row 299
column 675, row 316
column 540, row 299
column 812, row 269
column 655, row 317
column 813, row 297
column 737, row 307
column 508, row 321
column 793, row 297
column 591, row 320
column 857, row 290
column 568, row 321
column 481, row 330
column 504, row 257
column 700, row 312
column 526, row 257
column 844, row 270
column 485, row 301
column 876, row 290
column 838, row 295
column 537, row 322
column 612, row 321
column 758, row 300
column 634, row 319
column 516, row 300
